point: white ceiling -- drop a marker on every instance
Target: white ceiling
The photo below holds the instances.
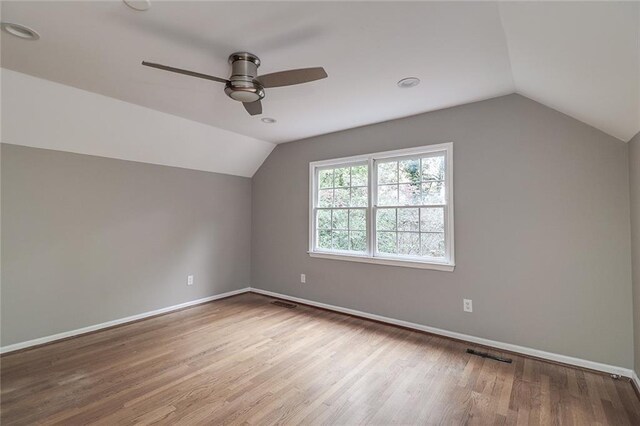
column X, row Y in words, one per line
column 580, row 58
column 43, row 114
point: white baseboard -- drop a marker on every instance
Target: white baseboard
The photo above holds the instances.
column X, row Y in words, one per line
column 635, row 379
column 83, row 330
column 611, row 369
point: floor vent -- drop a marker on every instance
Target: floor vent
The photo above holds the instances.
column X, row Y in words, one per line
column 490, row 356
column 284, row 304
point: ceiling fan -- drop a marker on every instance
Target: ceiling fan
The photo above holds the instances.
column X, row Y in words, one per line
column 245, row 85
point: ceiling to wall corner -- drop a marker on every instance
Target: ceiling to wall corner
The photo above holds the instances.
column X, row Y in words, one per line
column 582, row 59
column 42, row 114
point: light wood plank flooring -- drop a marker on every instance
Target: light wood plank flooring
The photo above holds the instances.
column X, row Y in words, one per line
column 243, row 360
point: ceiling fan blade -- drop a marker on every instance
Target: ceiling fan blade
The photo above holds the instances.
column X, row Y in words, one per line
column 291, row 77
column 253, row 108
column 185, row 72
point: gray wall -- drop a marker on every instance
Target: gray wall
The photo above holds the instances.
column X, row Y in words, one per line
column 88, row 239
column 634, row 187
column 541, row 225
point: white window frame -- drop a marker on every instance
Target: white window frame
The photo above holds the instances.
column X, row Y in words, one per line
column 446, row 264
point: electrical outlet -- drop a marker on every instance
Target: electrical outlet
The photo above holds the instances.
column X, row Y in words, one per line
column 467, row 305
column 303, row 278
column 190, row 280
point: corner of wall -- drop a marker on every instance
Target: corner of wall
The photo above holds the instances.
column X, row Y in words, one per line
column 634, row 202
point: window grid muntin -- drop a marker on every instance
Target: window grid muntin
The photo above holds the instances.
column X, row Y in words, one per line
column 377, row 252
column 421, row 181
column 333, row 207
column 348, row 229
column 441, row 150
column 396, row 207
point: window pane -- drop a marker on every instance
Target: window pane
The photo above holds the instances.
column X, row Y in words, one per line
column 433, row 193
column 387, row 195
column 388, row 172
column 341, row 240
column 433, row 168
column 358, row 220
column 340, row 219
column 433, row 244
column 403, row 227
column 325, row 198
column 432, row 220
column 408, row 220
column 387, row 242
column 409, row 243
column 341, row 197
column 359, row 176
column 386, row 219
column 324, row 239
column 359, row 197
column 409, row 194
column 409, row 171
column 341, row 177
column 358, row 241
column 326, row 178
column 324, row 219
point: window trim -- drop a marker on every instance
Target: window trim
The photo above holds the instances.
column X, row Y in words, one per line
column 448, row 264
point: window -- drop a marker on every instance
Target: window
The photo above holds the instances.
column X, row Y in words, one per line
column 392, row 208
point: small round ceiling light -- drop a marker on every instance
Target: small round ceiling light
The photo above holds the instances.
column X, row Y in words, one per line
column 268, row 120
column 408, row 82
column 19, row 31
column 139, row 5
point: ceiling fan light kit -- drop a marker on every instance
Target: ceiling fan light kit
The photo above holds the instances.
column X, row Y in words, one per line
column 242, row 85
column 245, row 85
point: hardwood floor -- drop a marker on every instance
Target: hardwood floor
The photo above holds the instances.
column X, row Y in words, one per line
column 243, row 360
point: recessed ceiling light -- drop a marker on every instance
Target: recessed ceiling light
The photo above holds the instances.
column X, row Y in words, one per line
column 268, row 120
column 405, row 83
column 139, row 5
column 20, row 31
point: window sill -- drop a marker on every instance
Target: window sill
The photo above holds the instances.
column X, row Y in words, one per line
column 384, row 261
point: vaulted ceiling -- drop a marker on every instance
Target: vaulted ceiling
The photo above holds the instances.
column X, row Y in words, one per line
column 582, row 59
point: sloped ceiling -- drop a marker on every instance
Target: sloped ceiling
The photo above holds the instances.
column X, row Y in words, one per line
column 43, row 114
column 582, row 59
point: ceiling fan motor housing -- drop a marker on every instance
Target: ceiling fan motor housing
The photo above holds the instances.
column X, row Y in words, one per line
column 242, row 85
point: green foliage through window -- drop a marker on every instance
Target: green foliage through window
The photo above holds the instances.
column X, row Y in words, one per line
column 409, row 207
